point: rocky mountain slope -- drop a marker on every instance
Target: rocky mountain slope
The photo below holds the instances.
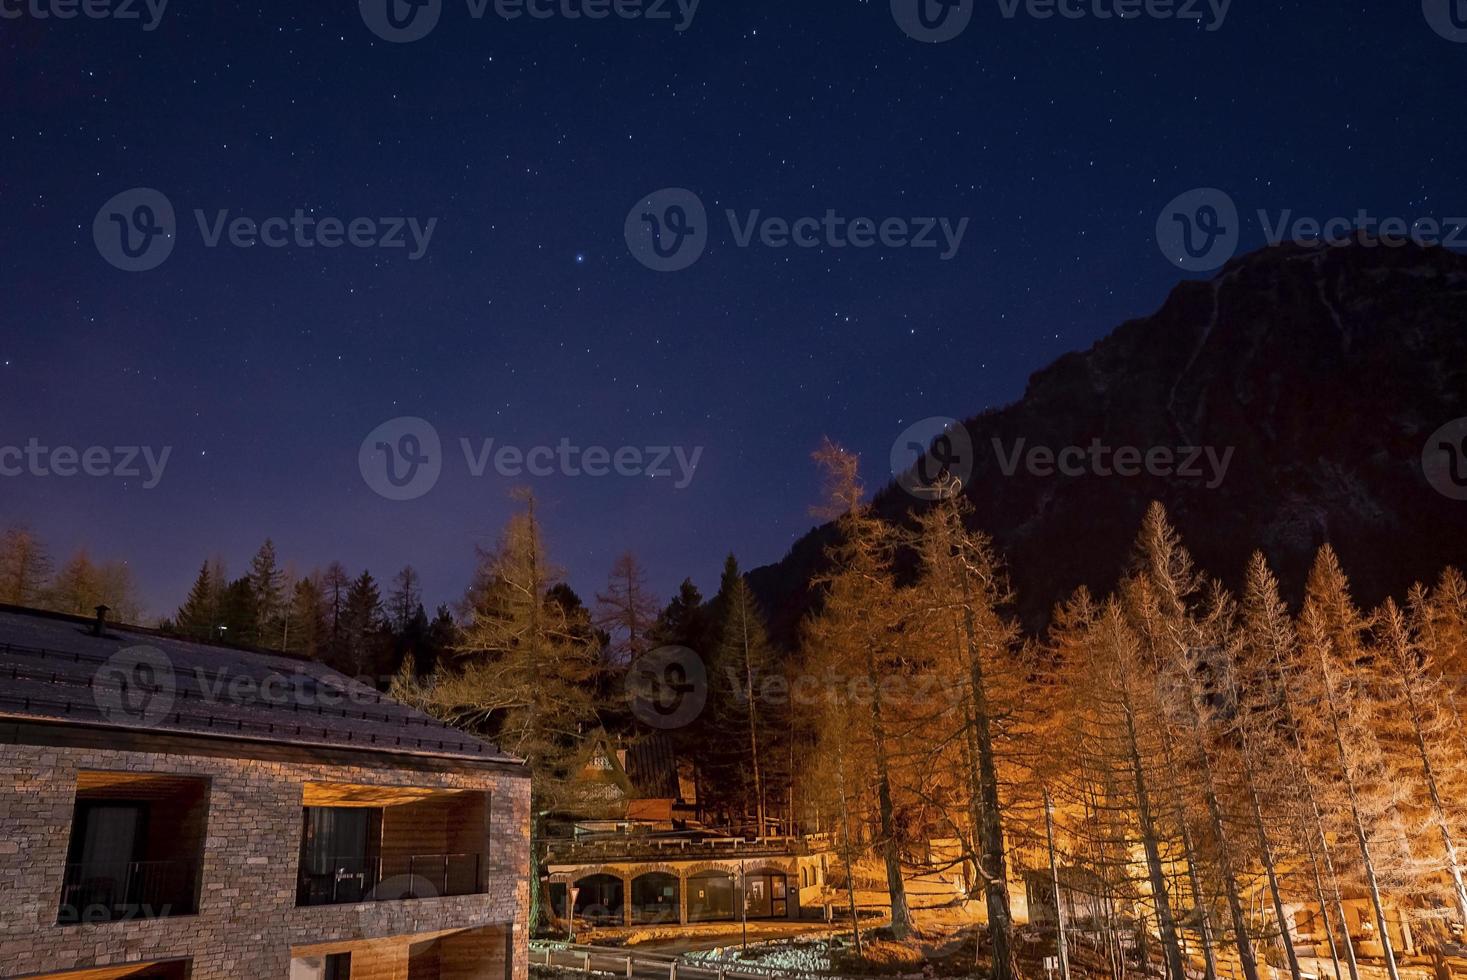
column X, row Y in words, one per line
column 1322, row 371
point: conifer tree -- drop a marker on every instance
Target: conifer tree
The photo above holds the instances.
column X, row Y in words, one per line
column 25, row 567
column 522, row 673
column 1159, row 597
column 267, row 583
column 683, row 621
column 199, row 613
column 626, row 611
column 406, row 598
column 1332, row 632
column 309, row 632
column 741, row 661
column 856, row 635
column 962, row 585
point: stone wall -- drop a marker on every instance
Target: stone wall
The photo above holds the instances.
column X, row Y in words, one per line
column 248, row 921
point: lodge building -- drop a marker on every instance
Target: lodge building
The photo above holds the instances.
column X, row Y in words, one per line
column 630, row 849
column 176, row 810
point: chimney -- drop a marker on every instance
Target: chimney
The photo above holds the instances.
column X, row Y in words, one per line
column 99, row 628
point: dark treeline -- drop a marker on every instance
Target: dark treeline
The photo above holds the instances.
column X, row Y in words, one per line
column 742, row 752
column 342, row 619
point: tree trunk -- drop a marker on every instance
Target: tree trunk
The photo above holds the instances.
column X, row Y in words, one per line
column 845, row 817
column 753, row 716
column 1324, row 906
column 1155, row 871
column 901, row 919
column 537, row 887
column 994, row 866
column 1301, row 766
column 1361, row 839
column 1459, row 890
column 1230, row 882
column 1059, row 902
column 1265, row 852
column 1199, row 899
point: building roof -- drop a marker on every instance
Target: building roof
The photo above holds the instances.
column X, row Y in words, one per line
column 54, row 669
column 652, row 767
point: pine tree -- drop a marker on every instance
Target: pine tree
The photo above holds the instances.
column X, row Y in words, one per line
column 199, row 614
column 24, row 567
column 963, row 587
column 266, row 582
column 309, row 632
column 239, row 613
column 406, row 598
column 77, row 588
column 361, row 624
column 335, row 584
column 1332, row 631
column 522, row 673
column 626, row 610
column 741, row 660
column 856, row 633
column 683, row 621
column 1419, row 724
column 1120, row 721
column 1159, row 597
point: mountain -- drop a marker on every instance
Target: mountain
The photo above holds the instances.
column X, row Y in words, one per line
column 1324, row 370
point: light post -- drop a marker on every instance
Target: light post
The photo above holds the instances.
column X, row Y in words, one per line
column 744, row 896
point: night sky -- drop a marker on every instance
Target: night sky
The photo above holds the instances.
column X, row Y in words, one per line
column 529, row 320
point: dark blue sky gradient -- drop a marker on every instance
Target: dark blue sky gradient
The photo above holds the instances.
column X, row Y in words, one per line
column 530, row 142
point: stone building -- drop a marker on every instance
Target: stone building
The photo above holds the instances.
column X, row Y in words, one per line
column 180, row 810
column 629, row 848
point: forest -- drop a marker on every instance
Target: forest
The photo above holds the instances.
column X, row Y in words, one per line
column 1214, row 773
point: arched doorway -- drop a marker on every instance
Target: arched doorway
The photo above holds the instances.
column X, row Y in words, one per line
column 711, row 897
column 600, row 899
column 655, row 898
column 766, row 894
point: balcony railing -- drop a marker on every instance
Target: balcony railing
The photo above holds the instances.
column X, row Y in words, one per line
column 570, row 851
column 118, row 890
column 353, row 879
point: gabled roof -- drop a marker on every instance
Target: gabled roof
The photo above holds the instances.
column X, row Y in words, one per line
column 54, row 670
column 652, row 767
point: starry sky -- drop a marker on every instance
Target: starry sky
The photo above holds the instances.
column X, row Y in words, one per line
column 528, row 320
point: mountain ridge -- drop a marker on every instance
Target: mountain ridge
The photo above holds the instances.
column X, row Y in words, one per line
column 1322, row 370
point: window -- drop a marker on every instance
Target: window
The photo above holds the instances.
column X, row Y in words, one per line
column 338, row 967
column 136, row 847
column 340, row 854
